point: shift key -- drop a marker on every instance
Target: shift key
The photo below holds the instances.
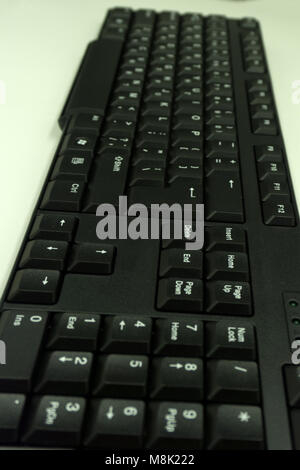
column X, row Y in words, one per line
column 109, row 179
column 224, row 200
column 22, row 334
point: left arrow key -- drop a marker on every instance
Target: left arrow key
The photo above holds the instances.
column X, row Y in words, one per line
column 45, row 254
column 35, row 286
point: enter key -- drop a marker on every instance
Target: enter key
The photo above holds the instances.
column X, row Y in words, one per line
column 223, row 201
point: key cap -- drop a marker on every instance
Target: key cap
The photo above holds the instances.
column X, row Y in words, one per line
column 265, row 126
column 292, row 382
column 148, row 173
column 225, row 163
column 109, row 179
column 86, row 121
column 268, row 153
column 127, row 335
column 121, row 375
column 227, row 265
column 223, row 297
column 18, row 330
column 224, row 238
column 72, row 165
column 227, row 339
column 79, row 140
column 233, row 382
column 278, row 210
column 64, row 372
column 175, row 425
column 74, row 332
column 226, row 204
column 235, row 427
column 54, row 420
column 53, row 227
column 35, row 286
column 180, row 295
column 176, row 377
column 274, row 186
column 178, row 338
column 117, row 423
column 11, row 411
column 270, row 168
column 44, row 254
column 262, row 111
column 220, row 148
column 63, row 195
column 179, row 262
column 92, row 258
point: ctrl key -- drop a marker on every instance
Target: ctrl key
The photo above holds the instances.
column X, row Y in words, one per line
column 54, row 420
column 35, row 286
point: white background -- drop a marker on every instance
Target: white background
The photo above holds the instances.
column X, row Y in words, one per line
column 41, row 45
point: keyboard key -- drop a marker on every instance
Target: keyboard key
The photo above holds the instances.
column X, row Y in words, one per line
column 63, row 195
column 274, row 186
column 53, row 227
column 224, row 238
column 180, row 295
column 54, row 420
column 64, row 372
column 74, row 332
column 227, row 339
column 292, row 382
column 175, row 425
column 270, row 168
column 35, row 286
column 121, row 375
column 72, row 165
column 92, row 258
column 18, row 330
column 268, row 153
column 235, row 427
column 233, row 382
column 86, row 121
column 11, row 411
column 79, row 140
column 108, row 179
column 115, row 423
column 44, row 254
column 127, row 335
column 227, row 265
column 175, row 377
column 265, row 126
column 179, row 262
column 178, row 338
column 226, row 204
column 223, row 297
column 278, row 210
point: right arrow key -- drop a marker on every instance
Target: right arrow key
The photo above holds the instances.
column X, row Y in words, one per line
column 92, row 258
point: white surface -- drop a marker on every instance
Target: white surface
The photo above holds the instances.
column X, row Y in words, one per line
column 41, row 45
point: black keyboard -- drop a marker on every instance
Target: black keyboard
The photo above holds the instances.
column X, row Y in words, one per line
column 143, row 343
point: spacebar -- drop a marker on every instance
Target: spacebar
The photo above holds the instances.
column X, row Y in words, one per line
column 93, row 83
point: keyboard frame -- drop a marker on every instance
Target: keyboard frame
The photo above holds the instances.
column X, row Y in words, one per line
column 269, row 284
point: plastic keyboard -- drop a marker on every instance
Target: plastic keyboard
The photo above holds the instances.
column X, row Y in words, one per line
column 143, row 343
